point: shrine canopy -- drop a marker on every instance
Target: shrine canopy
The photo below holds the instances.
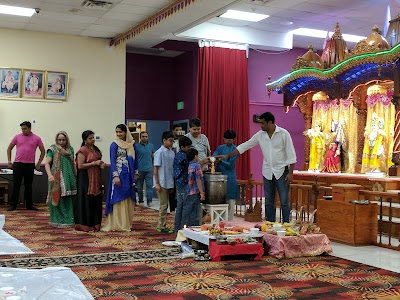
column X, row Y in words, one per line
column 338, row 72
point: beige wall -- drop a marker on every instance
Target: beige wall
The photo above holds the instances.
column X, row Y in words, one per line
column 96, row 98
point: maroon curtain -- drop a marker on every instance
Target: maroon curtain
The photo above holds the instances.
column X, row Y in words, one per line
column 223, row 98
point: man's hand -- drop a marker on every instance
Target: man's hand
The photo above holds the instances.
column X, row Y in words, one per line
column 37, row 167
column 158, row 187
column 9, row 165
column 289, row 178
column 51, row 178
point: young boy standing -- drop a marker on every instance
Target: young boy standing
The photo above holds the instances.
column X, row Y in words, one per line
column 195, row 188
column 164, row 177
column 228, row 167
column 181, row 165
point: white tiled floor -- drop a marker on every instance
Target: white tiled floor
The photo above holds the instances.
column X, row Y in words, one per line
column 369, row 255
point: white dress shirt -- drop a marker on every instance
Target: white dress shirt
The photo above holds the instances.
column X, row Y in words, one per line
column 278, row 151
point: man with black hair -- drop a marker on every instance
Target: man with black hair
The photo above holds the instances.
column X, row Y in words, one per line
column 24, row 163
column 278, row 164
column 177, row 132
column 145, row 156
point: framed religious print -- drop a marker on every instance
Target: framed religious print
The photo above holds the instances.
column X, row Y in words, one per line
column 57, row 85
column 10, row 82
column 33, row 81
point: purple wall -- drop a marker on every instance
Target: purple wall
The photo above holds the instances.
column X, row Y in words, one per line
column 275, row 65
column 149, row 87
column 154, row 85
column 185, row 82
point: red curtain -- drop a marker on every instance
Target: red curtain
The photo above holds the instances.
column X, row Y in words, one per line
column 223, row 98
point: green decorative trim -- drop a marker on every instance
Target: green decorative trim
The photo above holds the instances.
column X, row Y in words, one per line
column 380, row 57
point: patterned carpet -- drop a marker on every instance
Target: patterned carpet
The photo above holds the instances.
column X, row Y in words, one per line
column 134, row 265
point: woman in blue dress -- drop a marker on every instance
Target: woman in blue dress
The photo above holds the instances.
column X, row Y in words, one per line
column 121, row 194
column 228, row 167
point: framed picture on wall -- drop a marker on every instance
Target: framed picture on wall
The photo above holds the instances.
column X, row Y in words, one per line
column 10, row 82
column 33, row 84
column 57, row 85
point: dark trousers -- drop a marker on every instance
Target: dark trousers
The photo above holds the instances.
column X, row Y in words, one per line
column 172, row 200
column 23, row 171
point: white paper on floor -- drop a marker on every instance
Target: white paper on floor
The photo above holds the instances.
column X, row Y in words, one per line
column 10, row 245
column 45, row 284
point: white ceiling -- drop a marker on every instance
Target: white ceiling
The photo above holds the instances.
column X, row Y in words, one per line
column 200, row 20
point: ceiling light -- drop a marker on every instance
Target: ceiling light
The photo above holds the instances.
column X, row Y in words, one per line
column 245, row 16
column 322, row 34
column 16, row 11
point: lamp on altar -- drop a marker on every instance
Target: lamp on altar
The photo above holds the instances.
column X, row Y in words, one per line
column 376, row 89
column 320, row 96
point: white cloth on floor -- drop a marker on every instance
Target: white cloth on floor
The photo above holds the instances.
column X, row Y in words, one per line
column 10, row 245
column 44, row 284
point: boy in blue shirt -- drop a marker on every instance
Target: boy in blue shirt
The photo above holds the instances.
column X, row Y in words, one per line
column 228, row 167
column 181, row 165
column 195, row 189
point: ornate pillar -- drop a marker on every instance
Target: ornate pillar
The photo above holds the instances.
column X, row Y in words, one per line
column 361, row 123
column 395, row 170
column 306, row 108
column 359, row 96
column 307, row 141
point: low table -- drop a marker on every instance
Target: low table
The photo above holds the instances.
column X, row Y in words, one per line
column 219, row 251
column 297, row 246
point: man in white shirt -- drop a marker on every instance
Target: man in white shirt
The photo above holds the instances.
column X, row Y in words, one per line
column 278, row 163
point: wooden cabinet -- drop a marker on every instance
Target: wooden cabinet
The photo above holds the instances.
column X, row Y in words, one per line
column 354, row 224
column 345, row 192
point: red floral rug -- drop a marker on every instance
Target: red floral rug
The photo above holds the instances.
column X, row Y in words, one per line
column 134, row 265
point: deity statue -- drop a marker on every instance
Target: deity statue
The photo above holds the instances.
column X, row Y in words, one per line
column 337, row 144
column 332, row 162
column 374, row 146
column 317, row 149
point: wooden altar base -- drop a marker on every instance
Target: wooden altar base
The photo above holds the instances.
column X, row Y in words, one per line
column 365, row 180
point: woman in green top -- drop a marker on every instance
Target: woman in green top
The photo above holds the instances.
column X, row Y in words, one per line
column 61, row 172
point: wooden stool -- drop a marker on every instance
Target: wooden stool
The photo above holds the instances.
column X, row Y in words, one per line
column 218, row 212
column 4, row 185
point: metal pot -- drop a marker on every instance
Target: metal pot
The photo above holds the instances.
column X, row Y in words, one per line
column 215, row 188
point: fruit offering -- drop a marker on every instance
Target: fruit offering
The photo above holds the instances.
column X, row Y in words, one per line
column 215, row 231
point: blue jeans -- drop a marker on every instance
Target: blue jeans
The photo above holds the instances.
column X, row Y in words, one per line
column 190, row 215
column 145, row 176
column 181, row 200
column 283, row 190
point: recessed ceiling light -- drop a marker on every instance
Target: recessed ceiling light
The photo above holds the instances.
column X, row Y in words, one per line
column 17, row 11
column 322, row 34
column 287, row 23
column 242, row 15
